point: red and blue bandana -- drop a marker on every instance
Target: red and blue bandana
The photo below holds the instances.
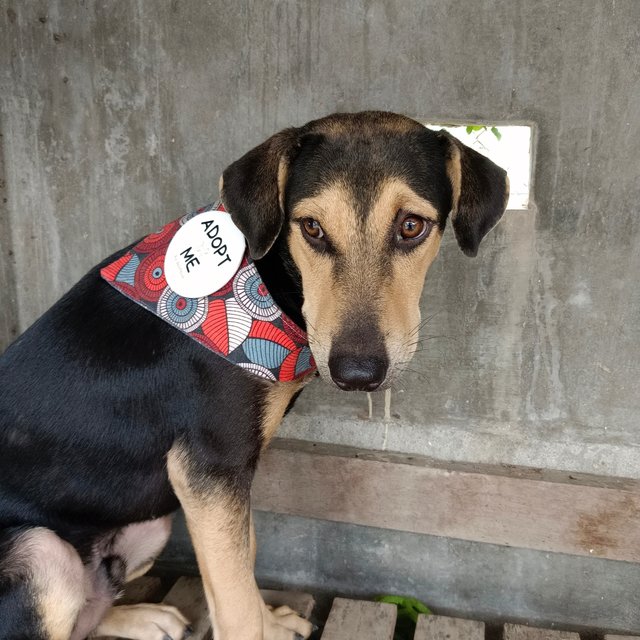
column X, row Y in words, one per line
column 240, row 322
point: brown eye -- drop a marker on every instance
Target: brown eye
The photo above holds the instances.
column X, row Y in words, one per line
column 312, row 228
column 413, row 228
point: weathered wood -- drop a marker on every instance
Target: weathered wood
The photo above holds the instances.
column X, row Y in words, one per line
column 360, row 620
column 616, row 637
column 187, row 595
column 519, row 632
column 416, row 496
column 443, row 628
column 143, row 589
column 301, row 603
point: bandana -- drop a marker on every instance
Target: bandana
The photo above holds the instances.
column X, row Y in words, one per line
column 240, row 322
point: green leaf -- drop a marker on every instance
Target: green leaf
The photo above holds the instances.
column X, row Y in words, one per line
column 420, row 607
column 399, row 600
column 408, row 607
column 496, row 133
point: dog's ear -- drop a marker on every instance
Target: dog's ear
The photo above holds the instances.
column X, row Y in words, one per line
column 480, row 190
column 252, row 190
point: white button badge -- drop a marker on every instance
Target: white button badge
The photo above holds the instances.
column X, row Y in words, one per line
column 204, row 254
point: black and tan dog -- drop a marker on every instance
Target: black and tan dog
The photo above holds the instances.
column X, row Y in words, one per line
column 110, row 419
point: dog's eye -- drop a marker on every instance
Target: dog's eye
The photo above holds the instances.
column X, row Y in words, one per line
column 312, row 228
column 412, row 229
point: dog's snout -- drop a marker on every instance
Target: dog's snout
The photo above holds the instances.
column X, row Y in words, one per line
column 357, row 373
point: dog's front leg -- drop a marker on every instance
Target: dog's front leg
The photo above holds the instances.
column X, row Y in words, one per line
column 218, row 516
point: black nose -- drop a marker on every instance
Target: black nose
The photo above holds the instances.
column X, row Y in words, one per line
column 357, row 373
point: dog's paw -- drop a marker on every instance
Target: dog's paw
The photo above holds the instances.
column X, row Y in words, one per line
column 144, row 622
column 283, row 623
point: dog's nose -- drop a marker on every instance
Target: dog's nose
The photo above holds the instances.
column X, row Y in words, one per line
column 357, row 373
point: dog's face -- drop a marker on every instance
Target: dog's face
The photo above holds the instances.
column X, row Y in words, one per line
column 359, row 203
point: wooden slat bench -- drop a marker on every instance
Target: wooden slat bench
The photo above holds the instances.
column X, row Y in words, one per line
column 360, row 620
column 443, row 628
column 348, row 619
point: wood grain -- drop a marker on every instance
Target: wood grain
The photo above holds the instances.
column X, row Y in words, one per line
column 443, row 628
column 188, row 596
column 360, row 620
column 143, row 589
column 334, row 484
column 519, row 632
column 301, row 603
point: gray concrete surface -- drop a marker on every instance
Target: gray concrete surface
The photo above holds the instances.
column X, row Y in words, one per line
column 117, row 116
column 481, row 581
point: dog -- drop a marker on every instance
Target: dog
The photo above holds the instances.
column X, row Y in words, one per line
column 110, row 419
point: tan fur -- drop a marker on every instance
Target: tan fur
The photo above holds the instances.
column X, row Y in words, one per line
column 392, row 288
column 368, row 123
column 454, row 172
column 322, row 305
column 219, row 528
column 219, row 524
column 139, row 544
column 139, row 571
column 277, row 400
column 507, row 187
column 283, row 172
column 56, row 572
column 143, row 622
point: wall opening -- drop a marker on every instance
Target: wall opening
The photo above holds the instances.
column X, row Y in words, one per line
column 507, row 145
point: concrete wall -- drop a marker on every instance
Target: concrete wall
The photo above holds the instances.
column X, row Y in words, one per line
column 116, row 116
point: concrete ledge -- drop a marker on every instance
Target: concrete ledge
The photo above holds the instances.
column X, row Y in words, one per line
column 574, row 448
column 454, row 577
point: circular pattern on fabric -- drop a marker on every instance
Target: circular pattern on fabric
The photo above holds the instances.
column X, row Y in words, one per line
column 149, row 277
column 258, row 370
column 183, row 313
column 158, row 240
column 223, row 291
column 252, row 294
column 293, row 330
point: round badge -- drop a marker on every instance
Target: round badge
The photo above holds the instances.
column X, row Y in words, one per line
column 204, row 254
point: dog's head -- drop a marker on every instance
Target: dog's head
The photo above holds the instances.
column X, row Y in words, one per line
column 356, row 205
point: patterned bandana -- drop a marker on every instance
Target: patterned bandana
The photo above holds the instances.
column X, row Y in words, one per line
column 240, row 322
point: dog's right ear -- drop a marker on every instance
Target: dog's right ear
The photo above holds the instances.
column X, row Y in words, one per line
column 252, row 190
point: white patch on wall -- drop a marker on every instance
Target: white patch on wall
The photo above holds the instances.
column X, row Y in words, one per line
column 509, row 146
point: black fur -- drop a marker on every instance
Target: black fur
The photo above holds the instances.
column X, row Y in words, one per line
column 96, row 392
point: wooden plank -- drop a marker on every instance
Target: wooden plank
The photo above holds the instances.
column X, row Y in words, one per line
column 416, row 496
column 443, row 628
column 143, row 589
column 616, row 637
column 187, row 595
column 301, row 603
column 360, row 620
column 519, row 632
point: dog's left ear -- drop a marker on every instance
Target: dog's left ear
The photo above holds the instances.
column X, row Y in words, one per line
column 480, row 190
column 252, row 190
